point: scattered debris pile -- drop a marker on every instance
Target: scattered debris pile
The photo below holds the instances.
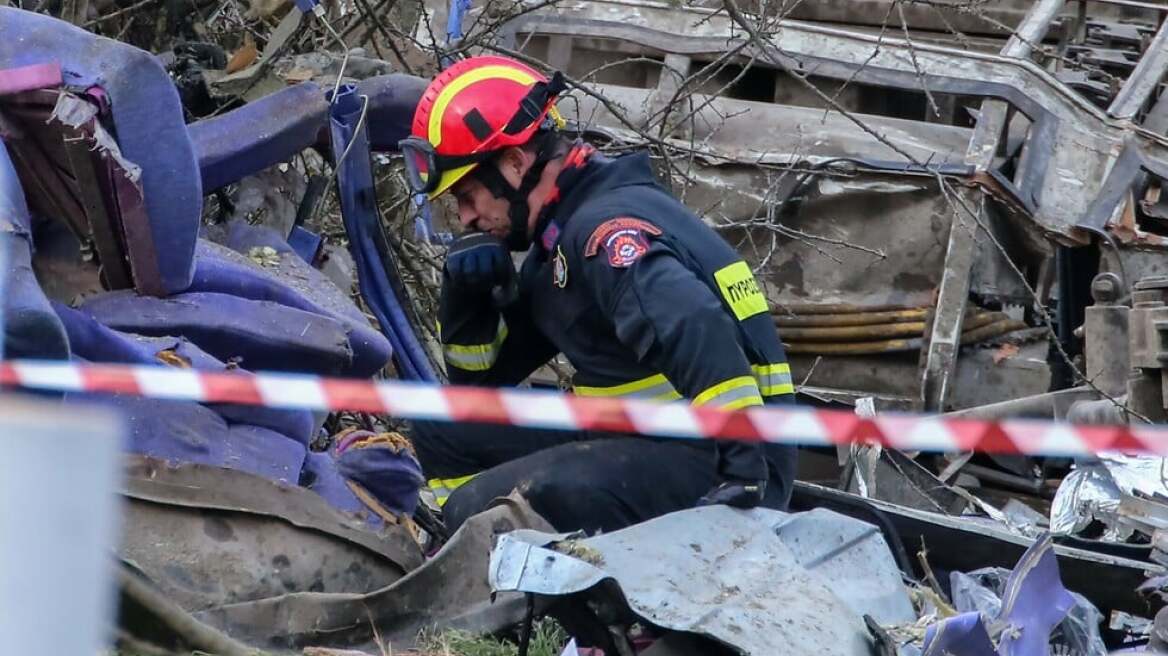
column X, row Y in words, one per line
column 967, row 219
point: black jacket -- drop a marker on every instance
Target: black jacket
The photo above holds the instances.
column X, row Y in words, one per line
column 642, row 297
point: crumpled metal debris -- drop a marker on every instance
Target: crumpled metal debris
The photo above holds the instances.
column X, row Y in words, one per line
column 1093, row 491
column 750, row 579
column 450, row 591
column 267, row 538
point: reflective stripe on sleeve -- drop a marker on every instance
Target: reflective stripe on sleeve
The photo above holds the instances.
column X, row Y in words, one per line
column 476, row 357
column 773, row 379
column 732, row 394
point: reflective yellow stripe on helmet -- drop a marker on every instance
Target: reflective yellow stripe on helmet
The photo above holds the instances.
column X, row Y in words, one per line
column 773, row 379
column 732, row 394
column 656, row 387
column 476, row 357
column 434, row 129
column 444, row 487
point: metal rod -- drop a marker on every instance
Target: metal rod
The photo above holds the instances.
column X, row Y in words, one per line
column 1039, row 405
column 1144, row 79
column 853, row 319
column 1033, row 28
column 1035, row 486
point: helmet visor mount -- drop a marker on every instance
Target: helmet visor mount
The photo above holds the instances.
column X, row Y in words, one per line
column 424, row 166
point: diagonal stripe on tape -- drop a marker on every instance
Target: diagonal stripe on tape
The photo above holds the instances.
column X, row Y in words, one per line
column 916, row 433
column 601, row 414
column 474, row 404
column 168, row 383
column 789, row 426
column 1147, row 439
column 552, row 411
column 109, row 379
column 59, row 376
column 225, row 387
column 737, row 426
column 1108, row 438
column 663, row 419
column 354, row 395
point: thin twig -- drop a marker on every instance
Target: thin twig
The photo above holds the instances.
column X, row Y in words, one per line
column 930, row 577
column 912, row 54
column 121, row 12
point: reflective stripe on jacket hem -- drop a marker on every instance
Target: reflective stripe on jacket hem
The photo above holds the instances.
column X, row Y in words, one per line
column 443, row 487
column 655, row 387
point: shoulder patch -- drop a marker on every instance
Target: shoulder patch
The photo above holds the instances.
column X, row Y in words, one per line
column 625, row 239
column 606, row 231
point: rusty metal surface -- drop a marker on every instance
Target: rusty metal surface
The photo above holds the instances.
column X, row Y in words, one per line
column 266, row 539
column 449, row 591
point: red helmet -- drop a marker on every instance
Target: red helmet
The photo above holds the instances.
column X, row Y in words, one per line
column 470, row 111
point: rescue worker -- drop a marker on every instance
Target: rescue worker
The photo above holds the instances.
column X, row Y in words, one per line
column 639, row 294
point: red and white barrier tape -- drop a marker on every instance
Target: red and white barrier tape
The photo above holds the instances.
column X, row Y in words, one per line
column 794, row 425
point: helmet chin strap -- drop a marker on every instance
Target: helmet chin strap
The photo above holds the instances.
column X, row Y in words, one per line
column 518, row 238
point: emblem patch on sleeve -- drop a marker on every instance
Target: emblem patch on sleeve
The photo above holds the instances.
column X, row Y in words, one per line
column 624, row 240
column 560, row 269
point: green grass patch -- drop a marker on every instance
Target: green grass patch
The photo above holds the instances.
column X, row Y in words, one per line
column 547, row 639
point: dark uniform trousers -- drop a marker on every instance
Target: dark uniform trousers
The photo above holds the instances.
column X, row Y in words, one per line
column 646, row 301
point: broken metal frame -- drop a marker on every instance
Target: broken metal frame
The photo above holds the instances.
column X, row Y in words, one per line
column 1104, row 573
column 1144, row 79
column 1062, row 121
column 1055, row 179
column 944, row 339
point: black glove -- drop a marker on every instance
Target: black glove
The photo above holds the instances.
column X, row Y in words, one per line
column 480, row 263
column 737, row 494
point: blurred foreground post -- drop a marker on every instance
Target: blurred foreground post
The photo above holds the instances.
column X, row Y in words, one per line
column 59, row 522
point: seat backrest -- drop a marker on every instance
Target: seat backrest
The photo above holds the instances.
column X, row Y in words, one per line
column 140, row 108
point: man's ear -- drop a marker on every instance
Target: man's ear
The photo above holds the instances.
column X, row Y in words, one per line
column 516, row 160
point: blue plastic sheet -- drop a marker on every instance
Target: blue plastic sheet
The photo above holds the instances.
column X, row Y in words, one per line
column 1033, row 603
column 366, row 242
column 458, row 9
column 961, row 635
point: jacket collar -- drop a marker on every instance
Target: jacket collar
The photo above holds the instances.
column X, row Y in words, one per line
column 586, row 173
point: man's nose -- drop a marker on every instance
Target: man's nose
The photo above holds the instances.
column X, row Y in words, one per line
column 467, row 215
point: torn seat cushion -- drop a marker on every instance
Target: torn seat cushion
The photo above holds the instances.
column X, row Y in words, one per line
column 260, row 335
column 181, row 432
column 267, row 131
column 290, row 282
column 95, row 342
column 147, row 117
column 384, row 464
